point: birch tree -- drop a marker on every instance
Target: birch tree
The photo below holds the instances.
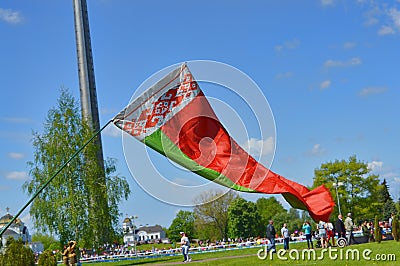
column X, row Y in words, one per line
column 63, row 208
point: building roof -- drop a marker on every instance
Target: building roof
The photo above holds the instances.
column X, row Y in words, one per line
column 150, row 229
column 6, row 219
column 127, row 220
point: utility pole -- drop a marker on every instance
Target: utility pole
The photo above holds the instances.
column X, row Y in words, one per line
column 98, row 201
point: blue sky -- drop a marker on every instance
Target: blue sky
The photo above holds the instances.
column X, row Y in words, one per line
column 328, row 68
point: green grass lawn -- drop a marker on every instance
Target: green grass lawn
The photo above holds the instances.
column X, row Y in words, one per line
column 385, row 253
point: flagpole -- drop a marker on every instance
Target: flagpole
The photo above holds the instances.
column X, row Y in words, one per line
column 51, row 178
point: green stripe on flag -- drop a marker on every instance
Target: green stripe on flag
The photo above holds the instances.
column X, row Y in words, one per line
column 162, row 144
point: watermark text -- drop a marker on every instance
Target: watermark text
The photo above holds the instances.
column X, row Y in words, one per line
column 329, row 253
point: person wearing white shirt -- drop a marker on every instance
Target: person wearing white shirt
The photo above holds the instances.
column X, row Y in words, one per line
column 286, row 236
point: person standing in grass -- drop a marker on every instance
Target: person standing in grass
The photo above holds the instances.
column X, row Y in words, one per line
column 286, row 236
column 339, row 227
column 330, row 233
column 271, row 236
column 322, row 234
column 185, row 247
column 307, row 233
column 366, row 231
column 349, row 226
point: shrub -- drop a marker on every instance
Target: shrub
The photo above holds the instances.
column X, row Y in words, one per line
column 377, row 230
column 17, row 254
column 47, row 258
column 396, row 228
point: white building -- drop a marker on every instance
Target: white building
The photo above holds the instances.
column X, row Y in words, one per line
column 17, row 229
column 129, row 231
column 150, row 233
column 141, row 234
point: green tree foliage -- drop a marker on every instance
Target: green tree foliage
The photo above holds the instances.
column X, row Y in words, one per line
column 66, row 207
column 47, row 258
column 17, row 254
column 389, row 206
column 398, row 205
column 268, row 208
column 291, row 218
column 305, row 216
column 243, row 219
column 295, row 223
column 47, row 240
column 211, row 212
column 183, row 222
column 271, row 209
column 359, row 191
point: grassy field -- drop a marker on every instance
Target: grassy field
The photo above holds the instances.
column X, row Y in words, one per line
column 385, row 253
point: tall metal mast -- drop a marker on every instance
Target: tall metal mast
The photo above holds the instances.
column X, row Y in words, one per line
column 87, row 83
column 90, row 113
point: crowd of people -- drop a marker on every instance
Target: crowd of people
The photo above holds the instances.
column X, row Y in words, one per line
column 324, row 233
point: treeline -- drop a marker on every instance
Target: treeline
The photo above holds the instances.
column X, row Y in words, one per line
column 220, row 216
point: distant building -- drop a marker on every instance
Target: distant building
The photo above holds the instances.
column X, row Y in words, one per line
column 142, row 234
column 150, row 233
column 129, row 231
column 17, row 229
column 37, row 247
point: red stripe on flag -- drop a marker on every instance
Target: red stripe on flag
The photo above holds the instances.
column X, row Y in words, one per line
column 199, row 134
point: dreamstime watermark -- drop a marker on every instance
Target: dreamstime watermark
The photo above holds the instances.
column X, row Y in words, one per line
column 330, row 253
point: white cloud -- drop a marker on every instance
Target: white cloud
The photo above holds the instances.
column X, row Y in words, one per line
column 327, row 2
column 284, row 75
column 372, row 16
column 392, row 179
column 386, row 30
column 17, row 175
column 292, row 44
column 10, row 16
column 387, row 172
column 395, row 17
column 386, row 17
column 16, row 155
column 316, row 150
column 349, row 45
column 278, row 48
column 337, row 63
column 257, row 147
column 372, row 21
column 371, row 90
column 375, row 165
column 325, row 84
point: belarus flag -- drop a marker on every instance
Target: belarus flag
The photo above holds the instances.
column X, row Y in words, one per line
column 174, row 118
